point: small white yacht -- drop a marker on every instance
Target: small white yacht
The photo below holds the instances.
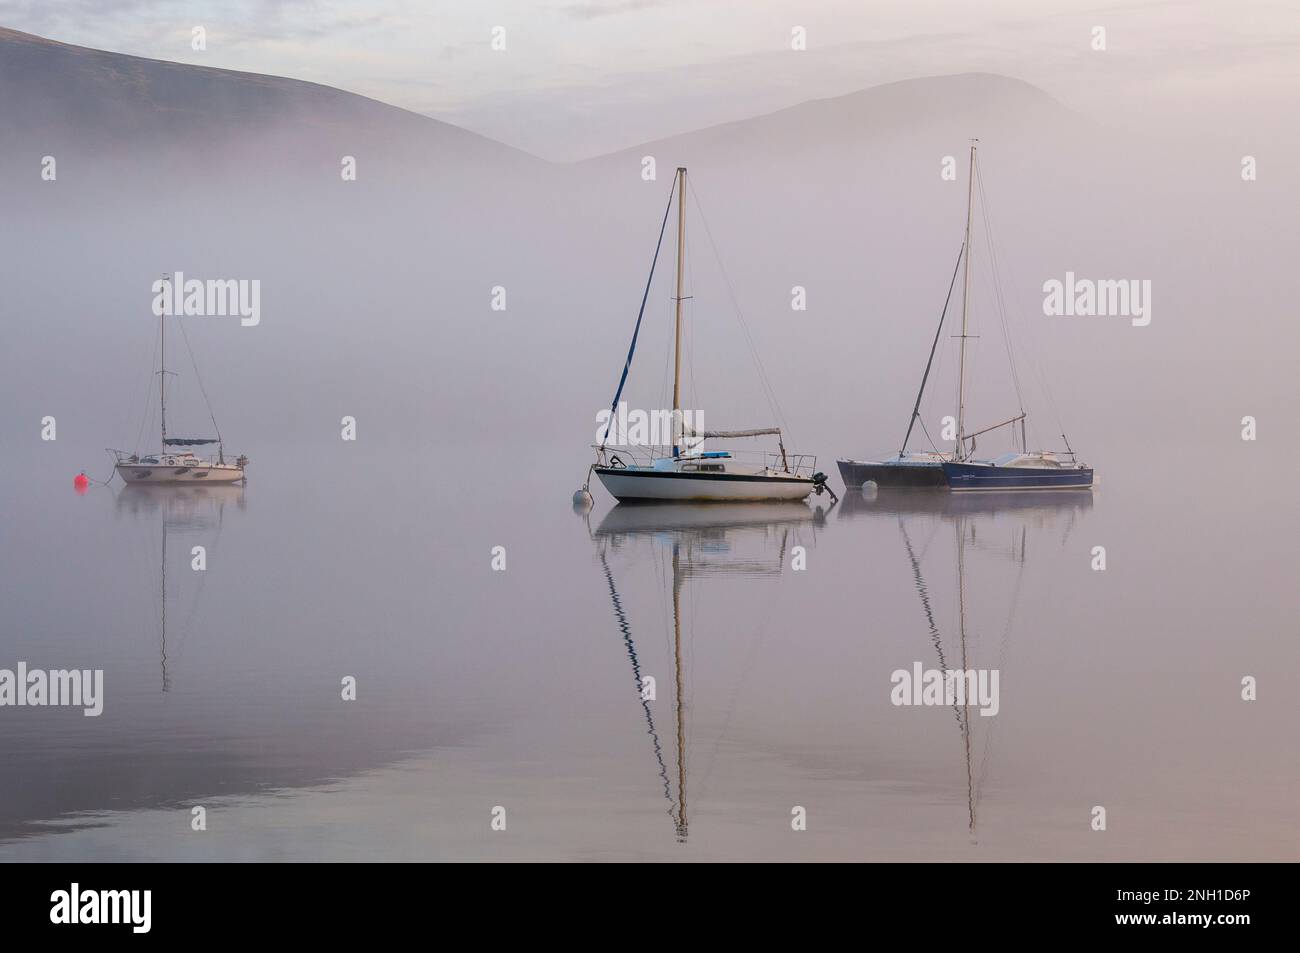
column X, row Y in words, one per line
column 685, row 471
column 178, row 466
column 702, row 475
column 182, row 467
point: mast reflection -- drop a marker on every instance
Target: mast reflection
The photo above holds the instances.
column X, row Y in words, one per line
column 701, row 542
column 182, row 510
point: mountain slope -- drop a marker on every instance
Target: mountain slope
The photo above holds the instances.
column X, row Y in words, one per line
column 68, row 97
column 952, row 107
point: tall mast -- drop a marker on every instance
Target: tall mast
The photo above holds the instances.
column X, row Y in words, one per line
column 681, row 721
column 965, row 667
column 677, row 349
column 162, row 362
column 965, row 302
column 163, row 645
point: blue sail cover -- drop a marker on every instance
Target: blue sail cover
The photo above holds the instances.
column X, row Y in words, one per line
column 188, row 441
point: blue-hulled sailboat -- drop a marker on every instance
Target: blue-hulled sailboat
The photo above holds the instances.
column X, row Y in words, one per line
column 1020, row 470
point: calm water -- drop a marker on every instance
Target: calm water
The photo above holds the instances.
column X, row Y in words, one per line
column 520, row 689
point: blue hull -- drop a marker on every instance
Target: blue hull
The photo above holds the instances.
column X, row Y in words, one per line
column 974, row 476
column 854, row 474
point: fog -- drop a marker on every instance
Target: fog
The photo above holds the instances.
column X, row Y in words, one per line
column 377, row 293
column 377, row 303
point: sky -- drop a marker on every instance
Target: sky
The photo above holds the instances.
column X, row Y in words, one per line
column 582, row 77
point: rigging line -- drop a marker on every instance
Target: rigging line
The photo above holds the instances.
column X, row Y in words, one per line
column 773, row 404
column 746, row 670
column 923, row 591
column 930, row 542
column 665, row 385
column 1036, row 362
column 689, row 327
column 1003, row 648
column 145, row 413
column 916, row 408
column 998, row 298
column 939, row 372
column 627, row 365
column 925, row 430
column 625, row 628
column 202, row 390
column 203, row 579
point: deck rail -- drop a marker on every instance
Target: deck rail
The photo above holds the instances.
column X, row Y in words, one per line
column 797, row 464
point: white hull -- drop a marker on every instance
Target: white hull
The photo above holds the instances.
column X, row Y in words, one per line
column 649, row 485
column 203, row 473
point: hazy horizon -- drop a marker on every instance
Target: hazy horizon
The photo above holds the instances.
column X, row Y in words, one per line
column 580, row 79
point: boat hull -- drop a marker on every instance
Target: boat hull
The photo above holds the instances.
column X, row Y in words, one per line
column 632, row 484
column 976, row 476
column 143, row 473
column 857, row 473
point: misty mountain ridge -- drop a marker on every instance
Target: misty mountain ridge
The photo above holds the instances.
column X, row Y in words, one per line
column 169, row 167
column 73, row 98
column 77, row 98
column 959, row 105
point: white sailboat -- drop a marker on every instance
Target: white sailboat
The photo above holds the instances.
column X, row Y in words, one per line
column 689, row 472
column 177, row 466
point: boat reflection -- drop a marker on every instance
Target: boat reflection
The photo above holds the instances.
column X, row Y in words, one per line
column 186, row 511
column 752, row 539
column 990, row 531
column 1047, row 505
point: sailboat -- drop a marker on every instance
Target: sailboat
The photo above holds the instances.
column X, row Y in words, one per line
column 1019, row 470
column 176, row 466
column 689, row 472
column 957, row 469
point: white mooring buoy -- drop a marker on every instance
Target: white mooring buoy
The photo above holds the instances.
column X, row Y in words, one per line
column 581, row 500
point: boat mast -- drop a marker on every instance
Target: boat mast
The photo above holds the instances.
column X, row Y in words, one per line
column 677, row 349
column 681, row 720
column 965, row 302
column 163, row 575
column 162, row 374
column 965, row 667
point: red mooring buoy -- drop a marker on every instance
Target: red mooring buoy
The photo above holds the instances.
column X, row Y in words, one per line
column 81, row 482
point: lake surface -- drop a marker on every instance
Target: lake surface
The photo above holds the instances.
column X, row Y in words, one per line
column 521, row 689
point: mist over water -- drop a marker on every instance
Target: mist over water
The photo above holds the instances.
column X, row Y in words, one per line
column 479, row 688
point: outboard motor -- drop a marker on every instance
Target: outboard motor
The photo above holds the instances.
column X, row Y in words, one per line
column 820, row 486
